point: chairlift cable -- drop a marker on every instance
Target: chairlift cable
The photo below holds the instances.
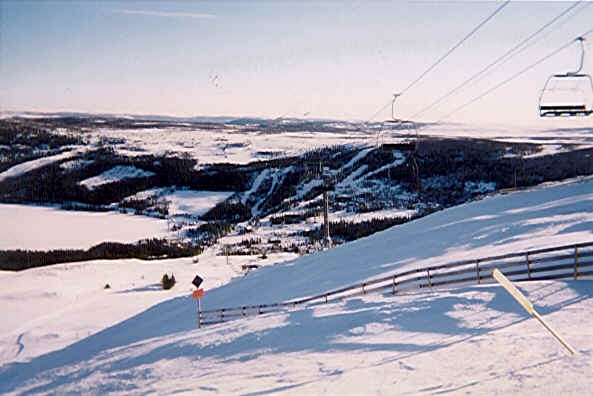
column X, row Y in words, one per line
column 464, row 39
column 378, row 112
column 506, row 56
column 442, row 58
column 514, row 76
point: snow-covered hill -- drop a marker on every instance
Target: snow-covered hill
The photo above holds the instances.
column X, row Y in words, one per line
column 65, row 334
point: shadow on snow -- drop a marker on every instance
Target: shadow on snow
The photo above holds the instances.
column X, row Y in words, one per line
column 300, row 331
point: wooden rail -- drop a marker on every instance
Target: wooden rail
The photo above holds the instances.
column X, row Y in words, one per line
column 560, row 262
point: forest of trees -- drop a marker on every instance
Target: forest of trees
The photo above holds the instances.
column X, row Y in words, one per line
column 16, row 260
column 444, row 168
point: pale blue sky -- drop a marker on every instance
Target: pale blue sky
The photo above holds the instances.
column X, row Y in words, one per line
column 332, row 59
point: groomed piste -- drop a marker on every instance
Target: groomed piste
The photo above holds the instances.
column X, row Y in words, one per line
column 136, row 338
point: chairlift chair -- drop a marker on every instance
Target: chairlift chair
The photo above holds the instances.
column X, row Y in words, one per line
column 569, row 94
column 397, row 124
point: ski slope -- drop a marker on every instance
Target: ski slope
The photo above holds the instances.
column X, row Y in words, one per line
column 65, row 334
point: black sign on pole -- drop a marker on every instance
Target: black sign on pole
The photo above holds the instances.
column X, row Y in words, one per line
column 197, row 281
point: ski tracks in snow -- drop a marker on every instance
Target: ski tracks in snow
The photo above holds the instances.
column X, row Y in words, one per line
column 277, row 176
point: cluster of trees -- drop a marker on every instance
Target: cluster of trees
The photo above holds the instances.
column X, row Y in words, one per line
column 297, row 217
column 19, row 132
column 146, row 206
column 250, row 242
column 27, row 142
column 16, row 260
column 349, row 231
column 210, row 232
column 229, row 211
column 452, row 162
column 507, row 165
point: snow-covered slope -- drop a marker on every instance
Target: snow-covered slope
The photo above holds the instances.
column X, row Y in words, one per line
column 115, row 174
column 28, row 166
column 469, row 340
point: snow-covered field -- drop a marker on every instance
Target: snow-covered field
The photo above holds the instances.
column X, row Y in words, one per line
column 45, row 228
column 240, row 146
column 553, row 134
column 65, row 334
column 185, row 202
column 224, row 146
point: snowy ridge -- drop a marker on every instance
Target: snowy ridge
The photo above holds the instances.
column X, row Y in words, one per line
column 255, row 186
column 277, row 176
column 398, row 161
column 115, row 174
column 356, row 159
column 352, row 177
column 21, row 169
column 304, row 189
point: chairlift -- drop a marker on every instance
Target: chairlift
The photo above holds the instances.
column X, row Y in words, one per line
column 402, row 142
column 569, row 94
column 397, row 127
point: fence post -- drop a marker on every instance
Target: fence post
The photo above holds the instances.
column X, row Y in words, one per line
column 326, row 298
column 478, row 270
column 394, row 285
column 576, row 262
column 429, row 281
column 222, row 315
column 243, row 312
column 528, row 265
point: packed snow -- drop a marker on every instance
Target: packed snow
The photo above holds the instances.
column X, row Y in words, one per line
column 30, row 227
column 65, row 334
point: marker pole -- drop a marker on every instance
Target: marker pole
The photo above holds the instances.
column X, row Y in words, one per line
column 199, row 314
column 520, row 297
column 547, row 326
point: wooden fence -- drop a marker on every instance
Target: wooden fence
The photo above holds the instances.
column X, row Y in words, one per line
column 560, row 262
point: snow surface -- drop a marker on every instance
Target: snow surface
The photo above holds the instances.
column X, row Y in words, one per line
column 558, row 134
column 185, row 202
column 45, row 228
column 115, row 174
column 237, row 146
column 21, row 169
column 75, row 164
column 65, row 334
column 241, row 146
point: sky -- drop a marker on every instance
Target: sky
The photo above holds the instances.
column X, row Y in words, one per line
column 317, row 59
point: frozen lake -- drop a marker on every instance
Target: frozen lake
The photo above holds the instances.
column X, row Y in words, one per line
column 44, row 228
